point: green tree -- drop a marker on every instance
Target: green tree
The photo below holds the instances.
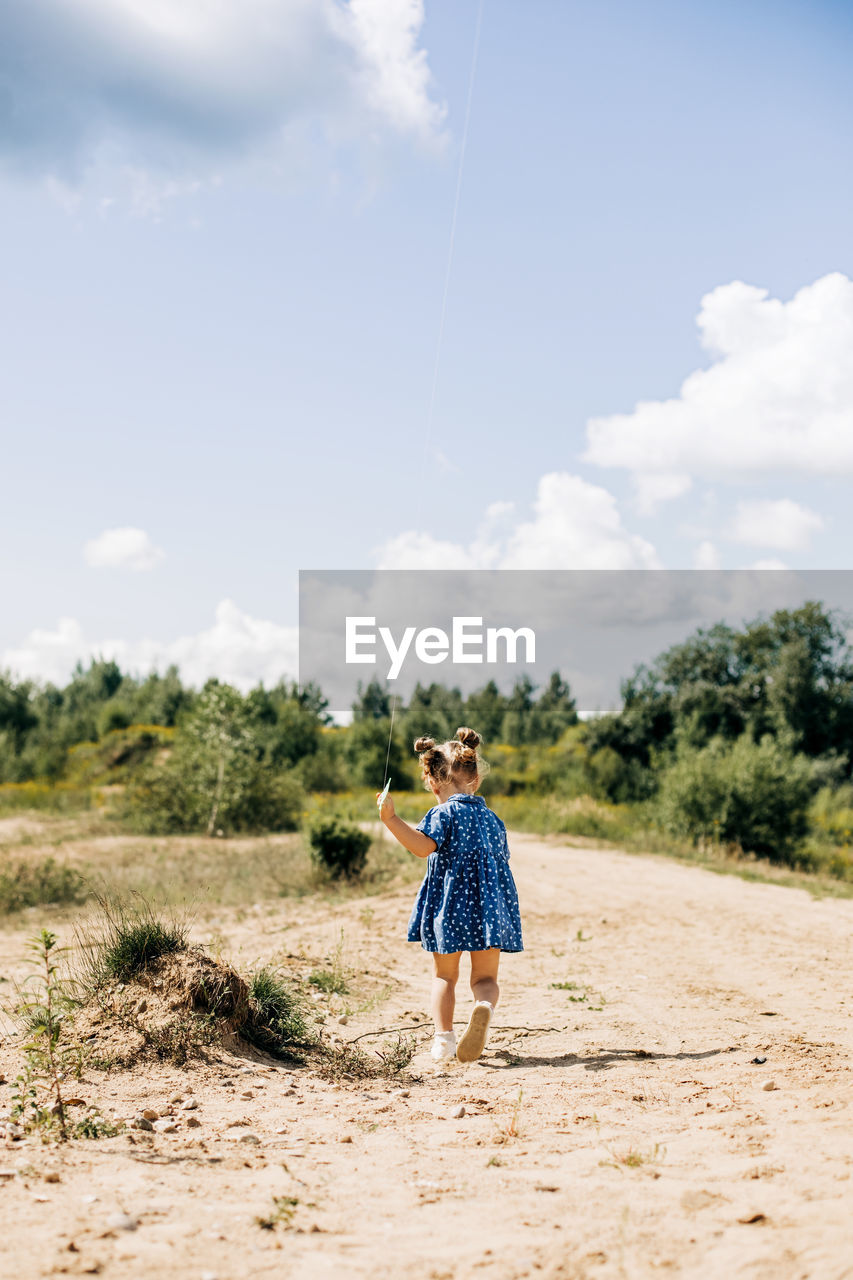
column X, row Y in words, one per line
column 754, row 794
column 434, row 711
column 484, row 711
column 553, row 712
column 216, row 777
column 366, row 751
column 373, row 702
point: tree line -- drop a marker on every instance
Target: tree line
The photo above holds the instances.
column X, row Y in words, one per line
column 731, row 734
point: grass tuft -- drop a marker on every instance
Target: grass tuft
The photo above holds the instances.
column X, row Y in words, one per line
column 125, row 940
column 277, row 1019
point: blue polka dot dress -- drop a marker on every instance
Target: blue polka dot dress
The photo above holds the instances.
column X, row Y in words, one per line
column 468, row 900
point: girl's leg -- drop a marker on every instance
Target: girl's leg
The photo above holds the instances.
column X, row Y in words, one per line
column 484, row 975
column 484, row 985
column 444, row 989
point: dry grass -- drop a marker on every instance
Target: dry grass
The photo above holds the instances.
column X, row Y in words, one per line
column 181, row 871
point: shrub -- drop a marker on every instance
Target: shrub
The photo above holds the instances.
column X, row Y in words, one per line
column 338, row 847
column 273, row 802
column 32, row 884
column 175, row 798
column 752, row 794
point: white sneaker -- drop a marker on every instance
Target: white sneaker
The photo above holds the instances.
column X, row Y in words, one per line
column 443, row 1046
column 476, row 1034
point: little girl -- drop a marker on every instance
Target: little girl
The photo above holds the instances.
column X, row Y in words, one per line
column 468, row 900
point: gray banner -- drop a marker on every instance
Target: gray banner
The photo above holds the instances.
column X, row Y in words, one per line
column 464, row 627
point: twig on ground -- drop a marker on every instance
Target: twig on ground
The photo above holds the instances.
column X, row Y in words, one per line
column 387, row 1031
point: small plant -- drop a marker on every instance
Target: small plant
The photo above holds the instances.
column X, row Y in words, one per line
column 512, row 1127
column 281, row 1215
column 334, row 980
column 94, row 1125
column 276, row 1021
column 338, row 848
column 47, row 1063
column 370, row 1002
column 634, row 1158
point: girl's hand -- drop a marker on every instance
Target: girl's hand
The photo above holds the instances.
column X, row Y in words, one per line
column 387, row 812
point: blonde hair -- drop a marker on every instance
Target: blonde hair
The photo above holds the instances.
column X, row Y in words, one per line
column 456, row 760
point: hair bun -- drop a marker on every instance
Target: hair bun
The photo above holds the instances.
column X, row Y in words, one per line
column 468, row 738
column 424, row 744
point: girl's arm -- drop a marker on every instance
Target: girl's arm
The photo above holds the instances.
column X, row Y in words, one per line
column 415, row 841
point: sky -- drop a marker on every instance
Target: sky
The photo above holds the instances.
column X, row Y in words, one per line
column 235, row 342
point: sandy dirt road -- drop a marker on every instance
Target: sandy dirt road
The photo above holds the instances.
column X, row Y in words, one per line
column 615, row 1127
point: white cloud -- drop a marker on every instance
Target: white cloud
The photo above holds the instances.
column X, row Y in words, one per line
column 160, row 82
column 47, row 655
column 237, row 648
column 575, row 525
column 767, row 564
column 706, row 556
column 783, row 524
column 778, row 397
column 125, row 548
column 651, row 489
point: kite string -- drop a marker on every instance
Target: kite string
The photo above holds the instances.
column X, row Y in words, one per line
column 472, row 75
column 453, row 220
column 390, row 735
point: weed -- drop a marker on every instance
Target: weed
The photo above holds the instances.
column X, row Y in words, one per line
column 283, row 1210
column 633, row 1158
column 372, row 1002
column 512, row 1127
column 579, row 936
column 395, row 1055
column 336, row 1062
column 47, row 1063
column 334, row 979
column 366, row 915
column 494, row 1162
column 94, row 1125
column 565, row 986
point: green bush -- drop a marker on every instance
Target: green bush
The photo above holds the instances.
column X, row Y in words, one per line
column 755, row 795
column 338, row 847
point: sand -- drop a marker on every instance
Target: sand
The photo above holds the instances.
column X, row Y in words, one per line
column 616, row 1127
